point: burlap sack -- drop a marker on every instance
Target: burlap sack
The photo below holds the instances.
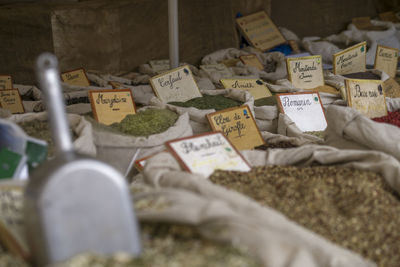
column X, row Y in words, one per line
column 225, row 215
column 349, row 129
column 198, row 119
column 117, row 149
column 83, row 144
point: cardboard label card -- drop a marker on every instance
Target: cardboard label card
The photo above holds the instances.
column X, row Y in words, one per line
column 256, row 88
column 12, row 228
column 389, row 16
column 238, row 125
column 6, row 82
column 252, row 60
column 115, row 84
column 305, row 72
column 75, row 77
column 219, row 68
column 350, row 60
column 391, row 88
column 175, row 85
column 260, row 31
column 366, row 96
column 11, row 100
column 304, row 109
column 111, row 106
column 364, row 24
column 206, row 153
column 386, row 60
column 160, row 66
column 230, row 62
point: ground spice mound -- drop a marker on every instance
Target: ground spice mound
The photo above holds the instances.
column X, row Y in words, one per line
column 353, row 208
column 320, row 134
column 41, row 130
column 217, row 102
column 171, row 246
column 392, row 118
column 147, row 122
column 265, row 101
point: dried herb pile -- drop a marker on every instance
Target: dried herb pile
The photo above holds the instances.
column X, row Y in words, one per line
column 217, row 102
column 265, row 101
column 353, row 208
column 320, row 134
column 171, row 246
column 147, row 122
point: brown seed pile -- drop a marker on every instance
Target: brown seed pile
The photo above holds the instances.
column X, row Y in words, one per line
column 171, row 246
column 353, row 208
column 281, row 144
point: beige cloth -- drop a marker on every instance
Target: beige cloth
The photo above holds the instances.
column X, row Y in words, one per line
column 349, row 129
column 226, row 215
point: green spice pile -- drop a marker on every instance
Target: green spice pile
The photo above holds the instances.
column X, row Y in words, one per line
column 217, row 102
column 353, row 208
column 41, row 130
column 171, row 246
column 320, row 134
column 265, row 101
column 147, row 122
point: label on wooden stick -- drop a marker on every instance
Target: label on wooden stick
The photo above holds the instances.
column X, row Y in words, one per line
column 256, row 88
column 386, row 60
column 75, row 77
column 305, row 72
column 206, row 153
column 110, row 106
column 238, row 125
column 175, row 85
column 366, row 96
column 6, row 82
column 350, row 60
column 304, row 109
column 10, row 99
column 260, row 31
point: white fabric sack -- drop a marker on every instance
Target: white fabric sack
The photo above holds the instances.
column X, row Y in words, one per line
column 30, row 90
column 315, row 46
column 84, row 144
column 117, row 149
column 221, row 55
column 226, row 215
column 198, row 119
column 287, row 127
column 266, row 118
column 349, row 129
column 392, row 104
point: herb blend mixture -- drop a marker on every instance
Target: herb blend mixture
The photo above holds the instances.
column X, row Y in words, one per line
column 353, row 208
column 217, row 102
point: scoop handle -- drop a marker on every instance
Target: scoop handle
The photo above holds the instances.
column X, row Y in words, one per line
column 49, row 81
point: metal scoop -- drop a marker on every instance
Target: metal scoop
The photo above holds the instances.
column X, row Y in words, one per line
column 74, row 204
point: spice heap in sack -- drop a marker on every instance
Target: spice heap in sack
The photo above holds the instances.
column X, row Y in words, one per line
column 147, row 122
column 217, row 102
column 353, row 208
column 392, row 118
column 170, row 246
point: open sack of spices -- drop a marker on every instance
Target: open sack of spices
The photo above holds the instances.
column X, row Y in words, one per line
column 37, row 125
column 211, row 101
column 148, row 130
column 225, row 215
column 349, row 129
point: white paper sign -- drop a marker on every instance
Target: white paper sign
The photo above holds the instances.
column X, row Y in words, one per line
column 350, row 60
column 305, row 72
column 304, row 109
column 206, row 153
column 175, row 85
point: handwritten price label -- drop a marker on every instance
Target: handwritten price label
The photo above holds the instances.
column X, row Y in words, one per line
column 350, row 60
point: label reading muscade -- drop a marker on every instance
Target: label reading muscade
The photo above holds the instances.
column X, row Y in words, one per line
column 6, row 82
column 366, row 96
column 221, row 69
column 160, row 66
column 391, row 88
column 304, row 109
column 252, row 60
column 206, row 153
column 305, row 72
column 238, row 125
column 11, row 100
column 260, row 31
column 350, row 60
column 111, row 106
column 256, row 88
column 75, row 77
column 386, row 60
column 175, row 85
